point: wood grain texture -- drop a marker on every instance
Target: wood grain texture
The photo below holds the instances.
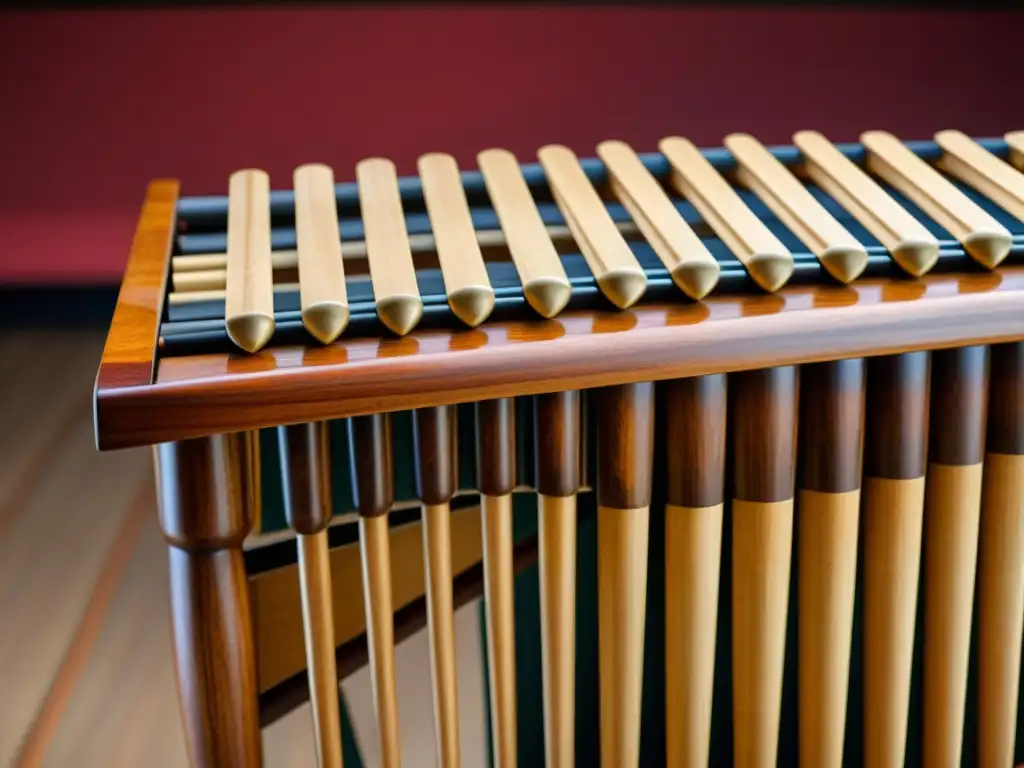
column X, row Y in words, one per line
column 499, row 614
column 205, row 515
column 556, row 427
column 215, row 657
column 1000, row 606
column 767, row 260
column 762, row 542
column 695, row 411
column 130, row 350
column 763, row 421
column 306, row 487
column 466, row 283
column 984, row 238
column 838, row 251
column 1015, row 140
column 625, row 446
column 370, row 463
column 305, row 476
column 693, row 552
column 828, row 524
column 831, row 444
column 1001, row 560
column 437, row 559
column 896, row 429
column 896, row 443
column 622, row 537
column 683, row 253
column 893, row 521
column 1005, row 433
column 609, row 257
column 912, row 246
column 556, row 545
column 545, row 284
column 959, row 407
column 831, row 425
column 388, row 252
column 966, row 160
column 380, row 632
column 322, row 290
column 249, row 295
column 496, row 446
column 315, row 583
column 952, row 508
column 435, row 439
column 219, row 393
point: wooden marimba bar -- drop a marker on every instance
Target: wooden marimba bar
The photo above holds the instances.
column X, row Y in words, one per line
column 891, row 454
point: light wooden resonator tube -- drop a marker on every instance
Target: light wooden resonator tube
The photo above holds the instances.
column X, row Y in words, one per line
column 370, row 469
column 557, row 473
column 306, row 487
column 763, row 424
column 625, row 447
column 496, row 478
column 952, row 509
column 435, row 432
column 831, row 443
column 695, row 442
column 1001, row 560
column 895, row 445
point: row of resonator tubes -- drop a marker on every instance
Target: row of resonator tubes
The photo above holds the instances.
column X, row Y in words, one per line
column 248, row 264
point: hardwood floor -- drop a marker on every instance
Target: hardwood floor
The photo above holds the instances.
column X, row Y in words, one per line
column 86, row 669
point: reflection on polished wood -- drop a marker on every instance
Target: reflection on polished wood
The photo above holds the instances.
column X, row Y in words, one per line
column 294, row 383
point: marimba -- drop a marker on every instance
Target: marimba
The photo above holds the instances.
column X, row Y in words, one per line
column 751, row 419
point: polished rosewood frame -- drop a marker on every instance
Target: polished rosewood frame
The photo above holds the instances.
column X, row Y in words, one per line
column 199, row 411
column 143, row 400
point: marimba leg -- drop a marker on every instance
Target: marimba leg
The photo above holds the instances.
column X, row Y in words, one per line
column 205, row 516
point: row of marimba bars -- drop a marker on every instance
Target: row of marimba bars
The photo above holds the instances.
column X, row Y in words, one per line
column 244, row 276
column 925, row 479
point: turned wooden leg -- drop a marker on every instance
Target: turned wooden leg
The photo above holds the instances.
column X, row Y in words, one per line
column 205, row 514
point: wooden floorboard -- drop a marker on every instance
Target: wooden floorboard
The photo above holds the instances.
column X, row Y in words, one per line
column 51, row 555
column 86, row 664
column 124, row 709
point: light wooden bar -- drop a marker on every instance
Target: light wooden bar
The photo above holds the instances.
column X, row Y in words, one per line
column 767, row 260
column 965, row 159
column 545, row 283
column 387, row 246
column 322, row 292
column 613, row 264
column 1015, row 140
column 836, row 249
column 469, row 290
column 684, row 255
column 249, row 298
column 356, row 249
column 984, row 238
column 912, row 246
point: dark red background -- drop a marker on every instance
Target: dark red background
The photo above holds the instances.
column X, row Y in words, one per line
column 94, row 103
